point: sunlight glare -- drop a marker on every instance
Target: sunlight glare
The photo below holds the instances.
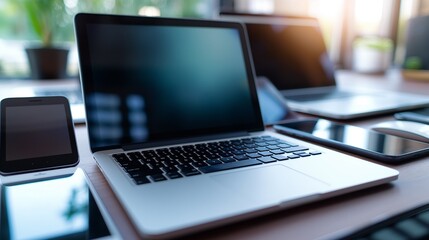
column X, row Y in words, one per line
column 149, row 11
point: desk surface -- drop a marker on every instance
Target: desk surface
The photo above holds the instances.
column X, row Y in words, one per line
column 323, row 219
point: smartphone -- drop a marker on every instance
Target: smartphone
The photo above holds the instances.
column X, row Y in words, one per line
column 37, row 133
column 361, row 141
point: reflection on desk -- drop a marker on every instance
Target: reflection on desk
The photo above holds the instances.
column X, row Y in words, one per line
column 57, row 208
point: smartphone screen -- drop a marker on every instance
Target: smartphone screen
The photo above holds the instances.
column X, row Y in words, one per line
column 359, row 140
column 36, row 131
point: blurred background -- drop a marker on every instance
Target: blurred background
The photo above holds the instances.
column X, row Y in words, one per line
column 356, row 32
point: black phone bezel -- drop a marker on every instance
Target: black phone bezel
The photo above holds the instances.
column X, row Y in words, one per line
column 39, row 163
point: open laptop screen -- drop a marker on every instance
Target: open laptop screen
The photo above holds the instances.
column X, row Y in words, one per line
column 290, row 52
column 147, row 80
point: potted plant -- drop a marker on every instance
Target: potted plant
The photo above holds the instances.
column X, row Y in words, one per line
column 46, row 60
column 372, row 54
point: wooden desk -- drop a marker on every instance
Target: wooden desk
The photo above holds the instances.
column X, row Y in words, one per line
column 324, row 219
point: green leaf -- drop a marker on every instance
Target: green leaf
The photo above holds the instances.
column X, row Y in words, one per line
column 413, row 62
column 33, row 17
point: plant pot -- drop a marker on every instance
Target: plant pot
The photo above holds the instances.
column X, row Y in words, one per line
column 368, row 60
column 372, row 54
column 47, row 62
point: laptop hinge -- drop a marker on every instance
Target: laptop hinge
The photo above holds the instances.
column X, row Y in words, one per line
column 183, row 140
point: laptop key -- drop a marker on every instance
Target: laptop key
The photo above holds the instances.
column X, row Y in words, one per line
column 273, row 147
column 132, row 170
column 238, row 152
column 169, row 169
column 157, row 177
column 266, row 153
column 185, row 166
column 190, row 172
column 277, row 151
column 262, row 149
column 250, row 150
column 227, row 159
column 295, row 149
column 213, row 161
column 199, row 164
column 121, row 157
column 241, row 157
column 280, row 157
column 151, row 172
column 173, row 175
column 130, row 165
column 302, row 154
column 141, row 180
column 262, row 144
column 212, row 156
column 170, row 163
column 135, row 175
column 253, row 155
column 267, row 159
column 231, row 165
column 199, row 159
column 239, row 147
column 225, row 154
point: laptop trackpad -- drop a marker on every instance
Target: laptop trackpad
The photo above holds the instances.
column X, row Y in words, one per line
column 274, row 183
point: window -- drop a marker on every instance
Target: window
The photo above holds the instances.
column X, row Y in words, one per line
column 16, row 30
column 343, row 21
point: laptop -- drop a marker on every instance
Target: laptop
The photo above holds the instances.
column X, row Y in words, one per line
column 174, row 124
column 291, row 53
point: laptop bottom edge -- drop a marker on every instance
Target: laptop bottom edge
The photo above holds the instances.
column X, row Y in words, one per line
column 185, row 206
column 195, row 230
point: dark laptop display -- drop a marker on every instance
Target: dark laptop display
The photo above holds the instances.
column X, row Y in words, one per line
column 154, row 83
column 291, row 53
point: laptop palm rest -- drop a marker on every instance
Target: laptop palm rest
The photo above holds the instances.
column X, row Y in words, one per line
column 274, row 183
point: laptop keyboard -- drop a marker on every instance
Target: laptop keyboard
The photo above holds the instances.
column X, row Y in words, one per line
column 189, row 160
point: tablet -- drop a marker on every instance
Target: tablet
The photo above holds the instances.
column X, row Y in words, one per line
column 365, row 142
column 37, row 133
column 59, row 208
